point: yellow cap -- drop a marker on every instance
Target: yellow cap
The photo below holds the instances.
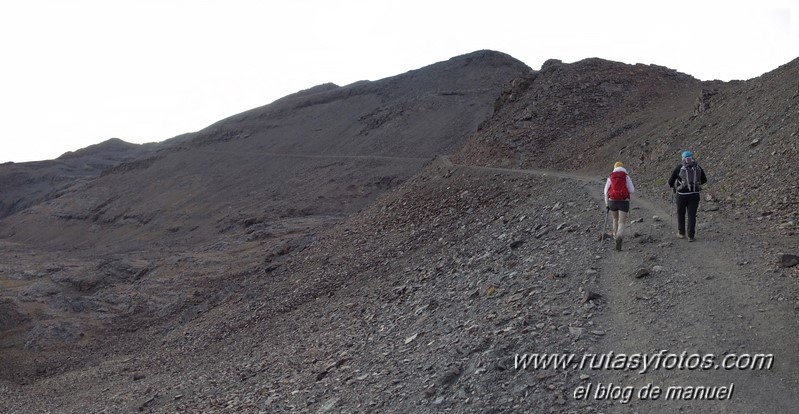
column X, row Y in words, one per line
column 618, row 164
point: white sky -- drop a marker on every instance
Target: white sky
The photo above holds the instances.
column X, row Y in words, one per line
column 77, row 72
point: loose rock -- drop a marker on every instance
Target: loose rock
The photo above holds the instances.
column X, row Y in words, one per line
column 788, row 260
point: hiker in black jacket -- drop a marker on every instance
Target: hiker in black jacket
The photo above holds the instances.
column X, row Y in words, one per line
column 686, row 181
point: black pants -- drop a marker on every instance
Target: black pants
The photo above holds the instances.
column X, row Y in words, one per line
column 687, row 204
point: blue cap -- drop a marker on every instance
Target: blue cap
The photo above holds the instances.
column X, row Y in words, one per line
column 687, row 154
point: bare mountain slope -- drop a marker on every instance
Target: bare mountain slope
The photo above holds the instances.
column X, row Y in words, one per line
column 26, row 184
column 424, row 299
column 255, row 186
column 320, row 152
column 591, row 113
column 563, row 116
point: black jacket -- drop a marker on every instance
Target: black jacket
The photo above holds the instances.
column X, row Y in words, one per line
column 675, row 178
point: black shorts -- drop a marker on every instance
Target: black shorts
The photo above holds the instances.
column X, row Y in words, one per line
column 619, row 205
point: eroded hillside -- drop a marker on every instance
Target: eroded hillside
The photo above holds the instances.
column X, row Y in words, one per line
column 158, row 238
column 354, row 273
column 589, row 114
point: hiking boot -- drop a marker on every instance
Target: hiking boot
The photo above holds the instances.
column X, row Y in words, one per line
column 680, row 236
column 618, row 244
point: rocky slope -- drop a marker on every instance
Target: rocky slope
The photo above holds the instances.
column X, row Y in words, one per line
column 419, row 297
column 30, row 183
column 325, row 151
column 587, row 115
column 261, row 183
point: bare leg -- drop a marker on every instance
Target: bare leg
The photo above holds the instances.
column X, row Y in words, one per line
column 622, row 223
column 622, row 220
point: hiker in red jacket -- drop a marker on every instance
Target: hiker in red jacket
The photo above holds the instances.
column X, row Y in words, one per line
column 617, row 199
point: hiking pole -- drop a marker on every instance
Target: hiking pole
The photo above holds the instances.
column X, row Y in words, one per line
column 671, row 216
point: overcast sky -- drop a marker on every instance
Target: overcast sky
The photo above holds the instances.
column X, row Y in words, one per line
column 77, row 72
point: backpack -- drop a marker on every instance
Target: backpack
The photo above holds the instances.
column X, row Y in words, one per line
column 690, row 176
column 618, row 186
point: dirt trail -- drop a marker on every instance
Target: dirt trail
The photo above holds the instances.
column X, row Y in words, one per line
column 704, row 299
column 711, row 297
column 317, row 156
